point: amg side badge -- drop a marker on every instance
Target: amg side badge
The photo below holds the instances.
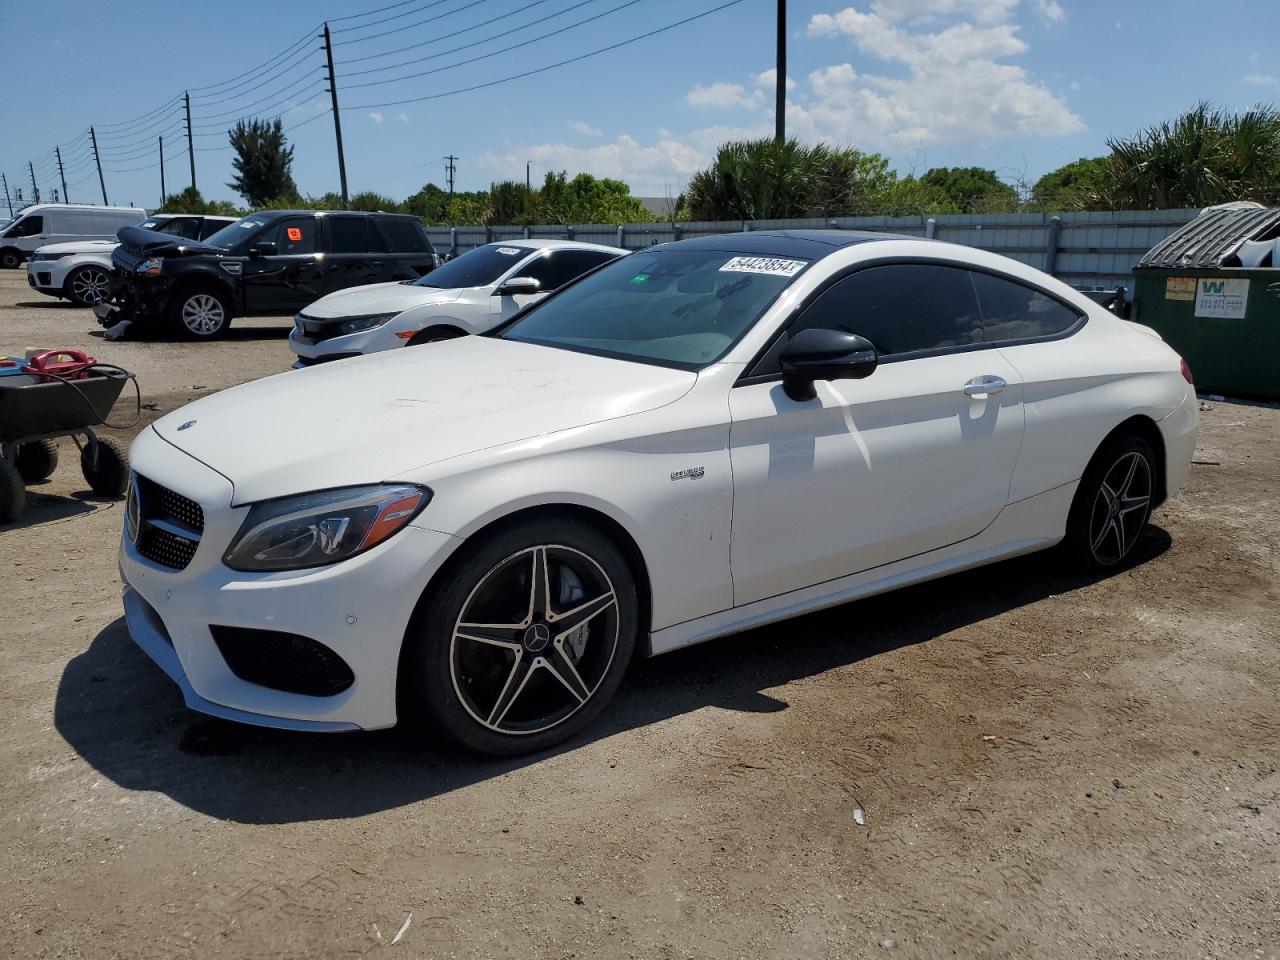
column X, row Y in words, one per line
column 693, row 473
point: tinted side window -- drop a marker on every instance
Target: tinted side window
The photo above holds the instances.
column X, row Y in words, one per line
column 1011, row 311
column 348, row 234
column 901, row 308
column 186, row 227
column 27, row 227
column 402, row 236
column 209, row 227
column 294, row 235
column 556, row 269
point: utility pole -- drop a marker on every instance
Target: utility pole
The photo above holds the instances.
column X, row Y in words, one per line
column 34, row 188
column 449, row 169
column 98, row 160
column 8, row 201
column 191, row 146
column 527, row 187
column 62, row 175
column 337, row 120
column 780, row 94
column 162, row 192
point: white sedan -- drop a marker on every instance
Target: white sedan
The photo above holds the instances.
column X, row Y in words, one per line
column 470, row 294
column 696, row 439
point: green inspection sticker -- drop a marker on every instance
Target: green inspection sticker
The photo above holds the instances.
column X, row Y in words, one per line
column 640, row 278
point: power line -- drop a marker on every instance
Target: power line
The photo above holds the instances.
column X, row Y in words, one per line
column 419, row 23
column 369, row 13
column 494, row 53
column 446, row 36
column 260, row 81
column 551, row 66
column 376, row 23
column 289, row 49
column 247, row 109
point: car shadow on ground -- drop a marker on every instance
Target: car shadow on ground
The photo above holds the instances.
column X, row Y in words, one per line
column 235, row 334
column 120, row 713
column 43, row 508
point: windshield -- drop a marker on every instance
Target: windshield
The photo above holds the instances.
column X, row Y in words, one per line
column 233, row 233
column 475, row 268
column 677, row 307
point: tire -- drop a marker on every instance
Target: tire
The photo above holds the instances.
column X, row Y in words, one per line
column 109, row 475
column 10, row 259
column 13, row 495
column 36, row 460
column 88, row 286
column 517, row 681
column 200, row 313
column 434, row 335
column 1112, row 504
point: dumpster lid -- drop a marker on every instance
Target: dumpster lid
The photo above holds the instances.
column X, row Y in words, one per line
column 1214, row 236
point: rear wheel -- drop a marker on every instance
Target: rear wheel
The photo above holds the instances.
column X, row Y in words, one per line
column 525, row 641
column 434, row 335
column 88, row 286
column 13, row 495
column 1112, row 504
column 36, row 460
column 106, row 466
column 201, row 313
column 10, row 259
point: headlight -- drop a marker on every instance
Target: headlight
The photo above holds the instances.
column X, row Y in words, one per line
column 49, row 256
column 151, row 267
column 356, row 324
column 316, row 529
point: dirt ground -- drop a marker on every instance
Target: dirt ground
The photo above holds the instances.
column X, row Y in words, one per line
column 1044, row 765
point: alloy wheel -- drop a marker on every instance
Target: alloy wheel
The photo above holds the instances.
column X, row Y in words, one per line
column 534, row 640
column 1120, row 509
column 90, row 286
column 202, row 314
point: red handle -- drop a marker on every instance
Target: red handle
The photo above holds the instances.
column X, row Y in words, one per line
column 52, row 358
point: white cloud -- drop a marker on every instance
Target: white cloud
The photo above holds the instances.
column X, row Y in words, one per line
column 768, row 80
column 723, row 95
column 1261, row 80
column 402, row 117
column 376, row 117
column 585, row 129
column 1051, row 10
column 924, row 11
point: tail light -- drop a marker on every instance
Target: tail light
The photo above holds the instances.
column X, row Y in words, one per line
column 1186, row 373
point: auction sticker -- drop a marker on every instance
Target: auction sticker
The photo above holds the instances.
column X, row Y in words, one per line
column 508, row 251
column 1220, row 297
column 1180, row 288
column 771, row 266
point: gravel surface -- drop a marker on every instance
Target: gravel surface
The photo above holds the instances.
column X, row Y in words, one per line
column 1013, row 762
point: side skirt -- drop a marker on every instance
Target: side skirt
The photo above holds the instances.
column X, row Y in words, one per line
column 1033, row 524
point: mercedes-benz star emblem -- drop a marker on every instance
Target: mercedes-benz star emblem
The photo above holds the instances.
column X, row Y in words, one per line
column 537, row 637
column 189, row 423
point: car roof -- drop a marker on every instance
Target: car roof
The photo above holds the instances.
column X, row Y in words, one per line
column 273, row 214
column 810, row 244
column 543, row 243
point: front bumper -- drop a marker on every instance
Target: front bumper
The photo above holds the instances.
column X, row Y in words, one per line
column 359, row 609
column 44, row 278
column 310, row 351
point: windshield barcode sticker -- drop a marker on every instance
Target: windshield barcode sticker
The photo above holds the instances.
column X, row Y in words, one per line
column 508, row 251
column 772, row 266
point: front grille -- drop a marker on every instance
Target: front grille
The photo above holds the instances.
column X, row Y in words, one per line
column 169, row 525
column 311, row 330
column 282, row 661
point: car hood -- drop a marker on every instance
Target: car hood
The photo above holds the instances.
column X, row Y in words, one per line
column 151, row 244
column 394, row 297
column 371, row 418
column 79, row 246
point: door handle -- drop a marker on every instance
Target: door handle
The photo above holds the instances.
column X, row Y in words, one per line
column 984, row 386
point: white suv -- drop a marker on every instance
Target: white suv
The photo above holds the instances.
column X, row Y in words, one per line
column 470, row 294
column 81, row 271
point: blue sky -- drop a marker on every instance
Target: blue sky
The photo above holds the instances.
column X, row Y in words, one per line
column 1020, row 86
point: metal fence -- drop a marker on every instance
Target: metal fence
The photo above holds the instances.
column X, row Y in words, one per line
column 1085, row 249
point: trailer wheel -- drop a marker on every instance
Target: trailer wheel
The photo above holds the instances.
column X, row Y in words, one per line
column 108, row 473
column 36, row 460
column 13, row 495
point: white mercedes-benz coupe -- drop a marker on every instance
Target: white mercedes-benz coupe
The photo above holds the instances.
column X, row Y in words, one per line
column 470, row 294
column 687, row 442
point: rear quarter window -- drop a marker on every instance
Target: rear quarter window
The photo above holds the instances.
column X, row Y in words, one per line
column 1011, row 311
column 402, row 236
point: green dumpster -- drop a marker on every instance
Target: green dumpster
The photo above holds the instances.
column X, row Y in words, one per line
column 1212, row 290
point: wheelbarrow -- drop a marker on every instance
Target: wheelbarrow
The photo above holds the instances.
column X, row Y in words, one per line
column 37, row 407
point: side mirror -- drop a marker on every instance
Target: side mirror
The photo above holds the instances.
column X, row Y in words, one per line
column 517, row 286
column 824, row 355
column 264, row 249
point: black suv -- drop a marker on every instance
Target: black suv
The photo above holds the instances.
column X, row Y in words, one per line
column 267, row 263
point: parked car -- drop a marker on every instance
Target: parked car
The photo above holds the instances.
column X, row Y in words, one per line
column 266, row 263
column 81, row 271
column 470, row 294
column 692, row 440
column 45, row 223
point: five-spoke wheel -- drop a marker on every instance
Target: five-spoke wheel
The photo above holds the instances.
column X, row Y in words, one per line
column 1113, row 503
column 527, row 641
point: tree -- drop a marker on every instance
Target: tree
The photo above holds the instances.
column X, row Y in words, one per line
column 1078, row 185
column 911, row 197
column 372, row 202
column 767, row 180
column 587, row 199
column 1203, row 157
column 191, row 201
column 510, row 203
column 262, row 163
column 973, row 189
